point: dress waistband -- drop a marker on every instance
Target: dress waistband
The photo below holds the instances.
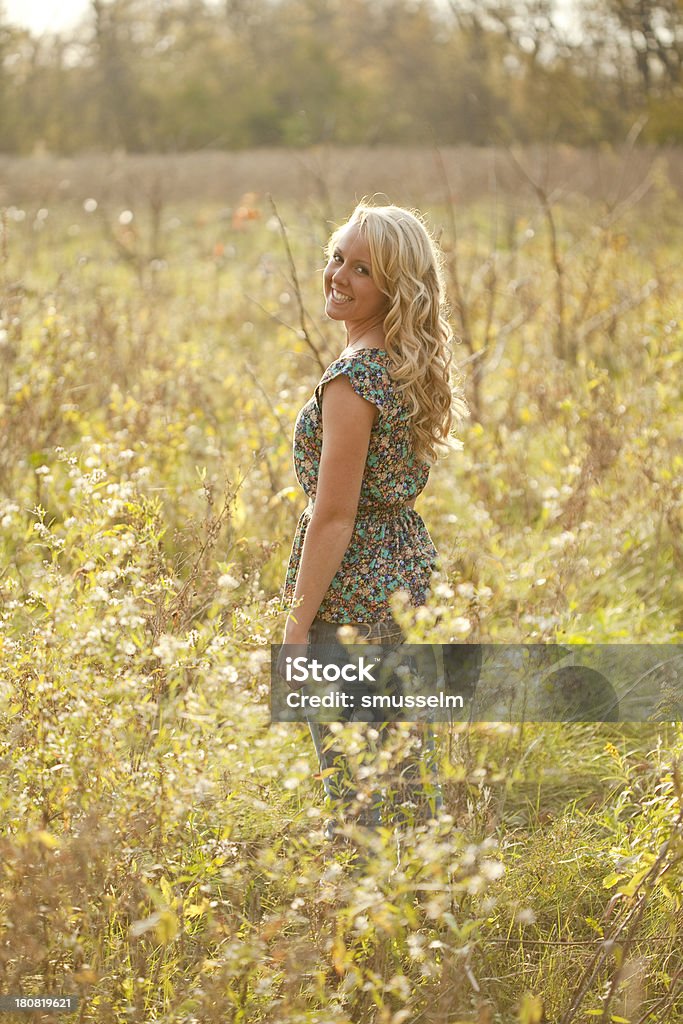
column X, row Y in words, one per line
column 378, row 510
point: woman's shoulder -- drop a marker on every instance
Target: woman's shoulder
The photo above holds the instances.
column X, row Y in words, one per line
column 371, row 362
column 362, row 356
column 368, row 371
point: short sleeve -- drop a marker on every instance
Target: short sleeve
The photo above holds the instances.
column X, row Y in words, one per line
column 369, row 380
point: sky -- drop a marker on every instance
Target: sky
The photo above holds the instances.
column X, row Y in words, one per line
column 45, row 15
column 61, row 15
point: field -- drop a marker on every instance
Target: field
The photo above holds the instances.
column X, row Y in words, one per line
column 161, row 841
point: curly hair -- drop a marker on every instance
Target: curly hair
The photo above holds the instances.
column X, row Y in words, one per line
column 407, row 267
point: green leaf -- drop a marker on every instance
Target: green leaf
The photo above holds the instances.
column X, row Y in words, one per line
column 611, row 880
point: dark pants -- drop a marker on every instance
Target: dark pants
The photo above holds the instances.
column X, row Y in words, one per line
column 414, row 785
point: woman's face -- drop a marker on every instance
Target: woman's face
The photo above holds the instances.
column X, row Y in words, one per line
column 350, row 291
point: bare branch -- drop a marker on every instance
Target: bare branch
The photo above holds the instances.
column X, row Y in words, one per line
column 297, row 289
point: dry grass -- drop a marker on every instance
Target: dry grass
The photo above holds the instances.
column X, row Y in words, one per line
column 333, row 175
column 161, row 844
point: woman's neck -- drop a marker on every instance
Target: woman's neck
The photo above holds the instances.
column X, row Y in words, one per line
column 365, row 339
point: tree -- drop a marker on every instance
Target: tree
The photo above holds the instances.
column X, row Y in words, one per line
column 655, row 33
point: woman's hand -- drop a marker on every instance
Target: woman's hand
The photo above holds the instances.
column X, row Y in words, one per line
column 294, row 645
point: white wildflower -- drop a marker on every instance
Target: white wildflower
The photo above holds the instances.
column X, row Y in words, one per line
column 228, row 582
column 461, row 625
column 167, row 649
column 492, row 869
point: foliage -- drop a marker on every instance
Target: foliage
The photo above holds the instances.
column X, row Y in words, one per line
column 161, row 841
column 149, row 77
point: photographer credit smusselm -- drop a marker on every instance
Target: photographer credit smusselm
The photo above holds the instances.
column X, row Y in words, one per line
column 385, row 682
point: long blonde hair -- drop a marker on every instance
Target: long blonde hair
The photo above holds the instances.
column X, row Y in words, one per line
column 407, row 267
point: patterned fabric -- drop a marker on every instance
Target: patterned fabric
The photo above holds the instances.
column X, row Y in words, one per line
column 390, row 548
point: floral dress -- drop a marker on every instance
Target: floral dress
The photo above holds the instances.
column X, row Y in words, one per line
column 390, row 548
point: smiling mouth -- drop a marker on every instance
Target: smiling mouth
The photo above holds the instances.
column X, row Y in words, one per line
column 339, row 296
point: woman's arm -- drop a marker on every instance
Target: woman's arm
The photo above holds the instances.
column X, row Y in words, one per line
column 347, row 423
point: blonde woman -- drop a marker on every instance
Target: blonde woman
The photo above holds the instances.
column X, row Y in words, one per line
column 364, row 444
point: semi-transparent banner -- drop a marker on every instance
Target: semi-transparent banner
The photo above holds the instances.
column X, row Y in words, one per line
column 476, row 683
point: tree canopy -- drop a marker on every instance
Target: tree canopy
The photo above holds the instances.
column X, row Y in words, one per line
column 162, row 75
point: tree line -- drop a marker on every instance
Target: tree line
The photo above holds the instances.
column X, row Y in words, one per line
column 174, row 75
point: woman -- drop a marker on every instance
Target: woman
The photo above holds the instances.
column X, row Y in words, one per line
column 364, row 443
